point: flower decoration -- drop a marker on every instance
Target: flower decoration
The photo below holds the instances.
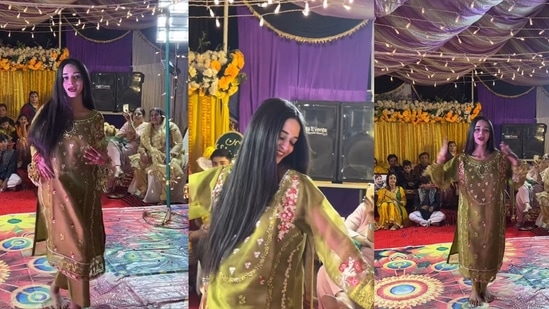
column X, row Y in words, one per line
column 31, row 58
column 215, row 73
column 425, row 112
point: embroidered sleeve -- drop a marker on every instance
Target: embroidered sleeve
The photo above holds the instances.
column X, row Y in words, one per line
column 343, row 261
column 32, row 170
column 443, row 175
column 204, row 189
column 99, row 142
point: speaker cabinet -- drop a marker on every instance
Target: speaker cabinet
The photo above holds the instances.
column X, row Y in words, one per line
column 341, row 140
column 322, row 126
column 356, row 162
column 104, row 91
column 128, row 89
column 534, row 140
column 112, row 90
column 511, row 134
column 526, row 140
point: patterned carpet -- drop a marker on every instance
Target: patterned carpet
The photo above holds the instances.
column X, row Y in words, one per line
column 419, row 277
column 146, row 263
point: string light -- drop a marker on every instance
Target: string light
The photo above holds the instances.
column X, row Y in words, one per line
column 306, row 9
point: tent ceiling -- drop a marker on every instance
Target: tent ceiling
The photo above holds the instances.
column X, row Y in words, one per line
column 438, row 42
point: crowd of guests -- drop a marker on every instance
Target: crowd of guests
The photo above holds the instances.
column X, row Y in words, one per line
column 14, row 145
column 407, row 196
column 139, row 149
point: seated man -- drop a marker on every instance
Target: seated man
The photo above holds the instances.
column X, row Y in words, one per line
column 427, row 204
column 8, row 165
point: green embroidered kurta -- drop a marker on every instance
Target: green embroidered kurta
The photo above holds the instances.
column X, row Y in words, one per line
column 71, row 202
column 266, row 270
column 479, row 240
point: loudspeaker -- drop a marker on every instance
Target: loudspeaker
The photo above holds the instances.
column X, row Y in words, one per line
column 511, row 134
column 104, row 91
column 341, row 140
column 128, row 89
column 356, row 162
column 526, row 140
column 322, row 127
column 111, row 91
column 534, row 140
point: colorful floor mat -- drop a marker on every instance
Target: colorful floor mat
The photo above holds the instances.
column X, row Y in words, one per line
column 146, row 261
column 419, row 277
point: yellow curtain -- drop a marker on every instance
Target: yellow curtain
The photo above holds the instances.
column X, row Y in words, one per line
column 208, row 119
column 408, row 140
column 16, row 86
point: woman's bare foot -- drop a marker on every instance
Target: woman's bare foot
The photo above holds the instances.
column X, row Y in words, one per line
column 475, row 299
column 74, row 306
column 487, row 295
column 56, row 297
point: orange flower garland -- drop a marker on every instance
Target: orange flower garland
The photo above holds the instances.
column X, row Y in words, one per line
column 426, row 112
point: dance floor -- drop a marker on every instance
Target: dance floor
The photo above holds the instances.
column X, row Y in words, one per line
column 419, row 277
column 146, row 264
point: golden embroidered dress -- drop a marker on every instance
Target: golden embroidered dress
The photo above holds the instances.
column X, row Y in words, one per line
column 479, row 240
column 266, row 269
column 391, row 207
column 71, row 202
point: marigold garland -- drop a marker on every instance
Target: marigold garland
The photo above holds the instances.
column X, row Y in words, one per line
column 425, row 112
column 31, row 58
column 215, row 73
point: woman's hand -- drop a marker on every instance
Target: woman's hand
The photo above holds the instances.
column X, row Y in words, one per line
column 509, row 154
column 95, row 157
column 44, row 169
column 145, row 159
column 441, row 157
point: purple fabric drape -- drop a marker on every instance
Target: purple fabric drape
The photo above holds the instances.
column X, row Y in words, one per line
column 499, row 110
column 102, row 57
column 278, row 67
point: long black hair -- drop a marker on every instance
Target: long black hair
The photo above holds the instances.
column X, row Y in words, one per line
column 56, row 115
column 470, row 143
column 254, row 179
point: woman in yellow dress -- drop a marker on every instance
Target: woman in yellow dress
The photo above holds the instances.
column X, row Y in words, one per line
column 482, row 173
column 266, row 215
column 149, row 163
column 69, row 166
column 391, row 205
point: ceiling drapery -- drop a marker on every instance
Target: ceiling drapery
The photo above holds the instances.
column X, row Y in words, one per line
column 110, row 14
column 438, row 42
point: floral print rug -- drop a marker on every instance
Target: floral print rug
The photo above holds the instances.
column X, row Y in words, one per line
column 146, row 261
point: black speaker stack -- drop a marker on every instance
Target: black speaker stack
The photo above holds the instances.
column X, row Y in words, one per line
column 341, row 140
column 112, row 90
column 526, row 140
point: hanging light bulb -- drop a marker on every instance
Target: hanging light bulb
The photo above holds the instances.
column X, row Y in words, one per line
column 217, row 24
column 325, row 3
column 306, row 9
column 277, row 9
column 261, row 21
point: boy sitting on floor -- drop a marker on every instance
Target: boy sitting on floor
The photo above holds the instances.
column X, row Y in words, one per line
column 427, row 204
column 9, row 179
